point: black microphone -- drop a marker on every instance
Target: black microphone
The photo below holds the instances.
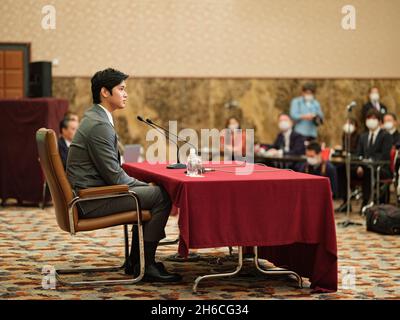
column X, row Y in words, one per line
column 351, row 106
column 178, row 165
column 169, row 132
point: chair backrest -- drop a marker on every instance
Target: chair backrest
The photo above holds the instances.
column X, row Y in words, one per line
column 60, row 189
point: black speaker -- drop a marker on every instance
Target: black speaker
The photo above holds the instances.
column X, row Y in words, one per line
column 40, row 79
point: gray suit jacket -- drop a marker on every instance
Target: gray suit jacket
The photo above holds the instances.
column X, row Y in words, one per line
column 93, row 157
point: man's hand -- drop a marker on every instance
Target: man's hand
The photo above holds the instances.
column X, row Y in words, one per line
column 152, row 184
column 308, row 116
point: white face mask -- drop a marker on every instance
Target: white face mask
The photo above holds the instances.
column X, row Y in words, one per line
column 374, row 97
column 348, row 128
column 284, row 125
column 233, row 126
column 372, row 124
column 313, row 161
column 308, row 97
column 388, row 125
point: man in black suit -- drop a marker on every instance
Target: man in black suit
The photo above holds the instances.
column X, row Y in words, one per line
column 94, row 161
column 68, row 129
column 288, row 142
column 373, row 104
column 374, row 144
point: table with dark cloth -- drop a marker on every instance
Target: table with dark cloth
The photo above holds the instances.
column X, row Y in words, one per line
column 20, row 173
column 288, row 215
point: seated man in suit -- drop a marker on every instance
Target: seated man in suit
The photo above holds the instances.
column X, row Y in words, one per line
column 94, row 161
column 374, row 144
column 68, row 129
column 288, row 142
column 316, row 165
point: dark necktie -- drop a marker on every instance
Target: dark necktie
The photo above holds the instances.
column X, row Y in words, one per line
column 371, row 141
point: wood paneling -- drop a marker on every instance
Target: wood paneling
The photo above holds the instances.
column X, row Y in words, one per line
column 11, row 73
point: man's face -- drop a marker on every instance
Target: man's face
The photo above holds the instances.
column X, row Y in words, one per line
column 389, row 122
column 313, row 158
column 70, row 131
column 311, row 154
column 308, row 95
column 284, row 122
column 119, row 96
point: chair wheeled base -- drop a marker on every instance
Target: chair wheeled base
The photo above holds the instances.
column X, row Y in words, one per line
column 271, row 271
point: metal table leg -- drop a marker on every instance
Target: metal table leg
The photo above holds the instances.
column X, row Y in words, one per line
column 218, row 275
column 271, row 271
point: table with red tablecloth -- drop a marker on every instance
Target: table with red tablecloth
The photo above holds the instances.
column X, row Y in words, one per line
column 20, row 173
column 288, row 215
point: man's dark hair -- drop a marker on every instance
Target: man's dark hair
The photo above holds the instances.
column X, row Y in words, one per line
column 392, row 115
column 108, row 78
column 64, row 124
column 234, row 118
column 285, row 114
column 314, row 146
column 374, row 113
column 70, row 114
column 370, row 89
column 309, row 86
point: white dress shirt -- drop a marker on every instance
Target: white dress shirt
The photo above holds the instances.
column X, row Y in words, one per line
column 108, row 114
column 286, row 137
column 375, row 133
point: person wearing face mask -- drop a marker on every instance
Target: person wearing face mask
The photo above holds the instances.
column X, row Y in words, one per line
column 306, row 112
column 349, row 128
column 375, row 144
column 315, row 165
column 233, row 139
column 288, row 142
column 373, row 103
column 390, row 125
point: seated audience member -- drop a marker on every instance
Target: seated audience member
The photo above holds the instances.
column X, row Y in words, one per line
column 373, row 103
column 317, row 166
column 306, row 112
column 233, row 140
column 68, row 129
column 288, row 142
column 390, row 124
column 349, row 128
column 374, row 144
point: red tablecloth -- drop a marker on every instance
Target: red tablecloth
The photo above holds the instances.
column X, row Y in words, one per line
column 20, row 173
column 289, row 215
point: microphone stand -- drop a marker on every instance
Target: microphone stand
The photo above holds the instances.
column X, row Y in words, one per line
column 177, row 165
column 164, row 131
column 347, row 147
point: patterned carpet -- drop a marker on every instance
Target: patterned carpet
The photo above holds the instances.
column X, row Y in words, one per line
column 369, row 264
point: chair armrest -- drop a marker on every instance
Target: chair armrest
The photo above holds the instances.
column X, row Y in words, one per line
column 103, row 191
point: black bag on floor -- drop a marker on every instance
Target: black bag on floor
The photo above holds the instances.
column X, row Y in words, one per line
column 384, row 219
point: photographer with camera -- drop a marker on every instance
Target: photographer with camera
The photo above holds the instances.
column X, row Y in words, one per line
column 306, row 111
